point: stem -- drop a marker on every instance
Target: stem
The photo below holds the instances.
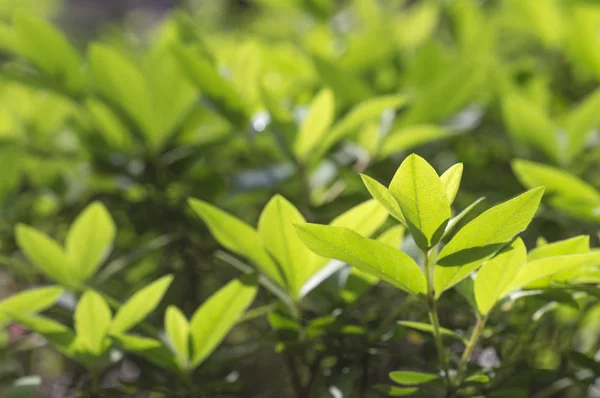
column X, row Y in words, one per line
column 295, row 375
column 435, row 322
column 464, row 360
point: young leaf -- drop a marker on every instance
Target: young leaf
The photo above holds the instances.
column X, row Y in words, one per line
column 213, row 320
column 384, row 197
column 364, row 218
column 576, row 245
column 92, row 320
column 276, row 228
column 140, row 305
column 497, row 273
column 543, row 267
column 423, row 200
column 410, row 378
column 89, row 240
column 406, row 138
column 29, row 301
column 456, row 219
column 316, row 124
column 178, row 330
column 376, row 258
column 58, row 334
column 425, row 327
column 44, row 253
column 238, row 237
column 153, row 350
column 581, row 121
column 483, row 237
column 394, row 391
column 451, row 180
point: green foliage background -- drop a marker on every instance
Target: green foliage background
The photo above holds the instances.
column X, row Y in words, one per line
column 232, row 103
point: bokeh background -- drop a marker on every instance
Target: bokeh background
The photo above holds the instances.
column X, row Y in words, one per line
column 486, row 82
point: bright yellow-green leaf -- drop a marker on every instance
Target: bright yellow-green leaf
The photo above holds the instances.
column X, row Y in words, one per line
column 530, row 125
column 581, row 121
column 316, row 124
column 426, row 327
column 364, row 218
column 543, row 267
column 576, row 245
column 178, row 331
column 109, row 125
column 151, row 349
column 384, row 197
column 44, row 253
column 361, row 113
column 89, row 240
column 451, row 180
column 376, row 258
column 48, row 49
column 92, row 320
column 422, row 198
column 238, row 237
column 140, row 305
column 497, row 273
column 217, row 315
column 276, row 228
column 57, row 333
column 29, row 301
column 405, row 138
column 483, row 237
column 410, row 378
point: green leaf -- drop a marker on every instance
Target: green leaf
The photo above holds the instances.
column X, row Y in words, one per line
column 121, row 82
column 44, row 253
column 92, row 320
column 422, row 198
column 140, row 305
column 451, row 180
column 529, row 124
column 316, row 124
column 109, row 125
column 456, row 219
column 276, row 228
column 365, row 111
column 213, row 320
column 376, row 258
column 394, row 391
column 425, row 327
column 89, row 240
column 576, row 245
column 543, row 267
column 581, row 121
column 406, row 138
column 412, row 378
column 238, row 237
column 152, row 350
column 478, row 378
column 483, row 237
column 178, row 331
column 348, row 87
column 497, row 273
column 58, row 334
column 48, row 49
column 364, row 218
column 29, row 301
column 384, row 197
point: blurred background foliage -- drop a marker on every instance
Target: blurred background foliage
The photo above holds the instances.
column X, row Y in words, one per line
column 142, row 104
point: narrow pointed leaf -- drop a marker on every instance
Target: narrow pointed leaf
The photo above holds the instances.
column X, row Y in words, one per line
column 497, row 273
column 410, row 378
column 140, row 305
column 376, row 258
column 543, row 267
column 425, row 327
column 364, row 218
column 178, row 331
column 394, row 391
column 576, row 245
column 213, row 320
column 153, row 350
column 276, row 228
column 92, row 320
column 456, row 219
column 451, row 180
column 238, row 237
column 422, row 198
column 29, row 301
column 316, row 124
column 89, row 240
column 45, row 253
column 58, row 334
column 384, row 197
column 483, row 237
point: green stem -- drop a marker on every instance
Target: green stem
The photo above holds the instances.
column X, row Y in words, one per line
column 462, row 366
column 435, row 322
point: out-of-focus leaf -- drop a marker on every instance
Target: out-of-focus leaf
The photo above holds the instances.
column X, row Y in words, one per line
column 316, row 124
column 29, row 301
column 92, row 320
